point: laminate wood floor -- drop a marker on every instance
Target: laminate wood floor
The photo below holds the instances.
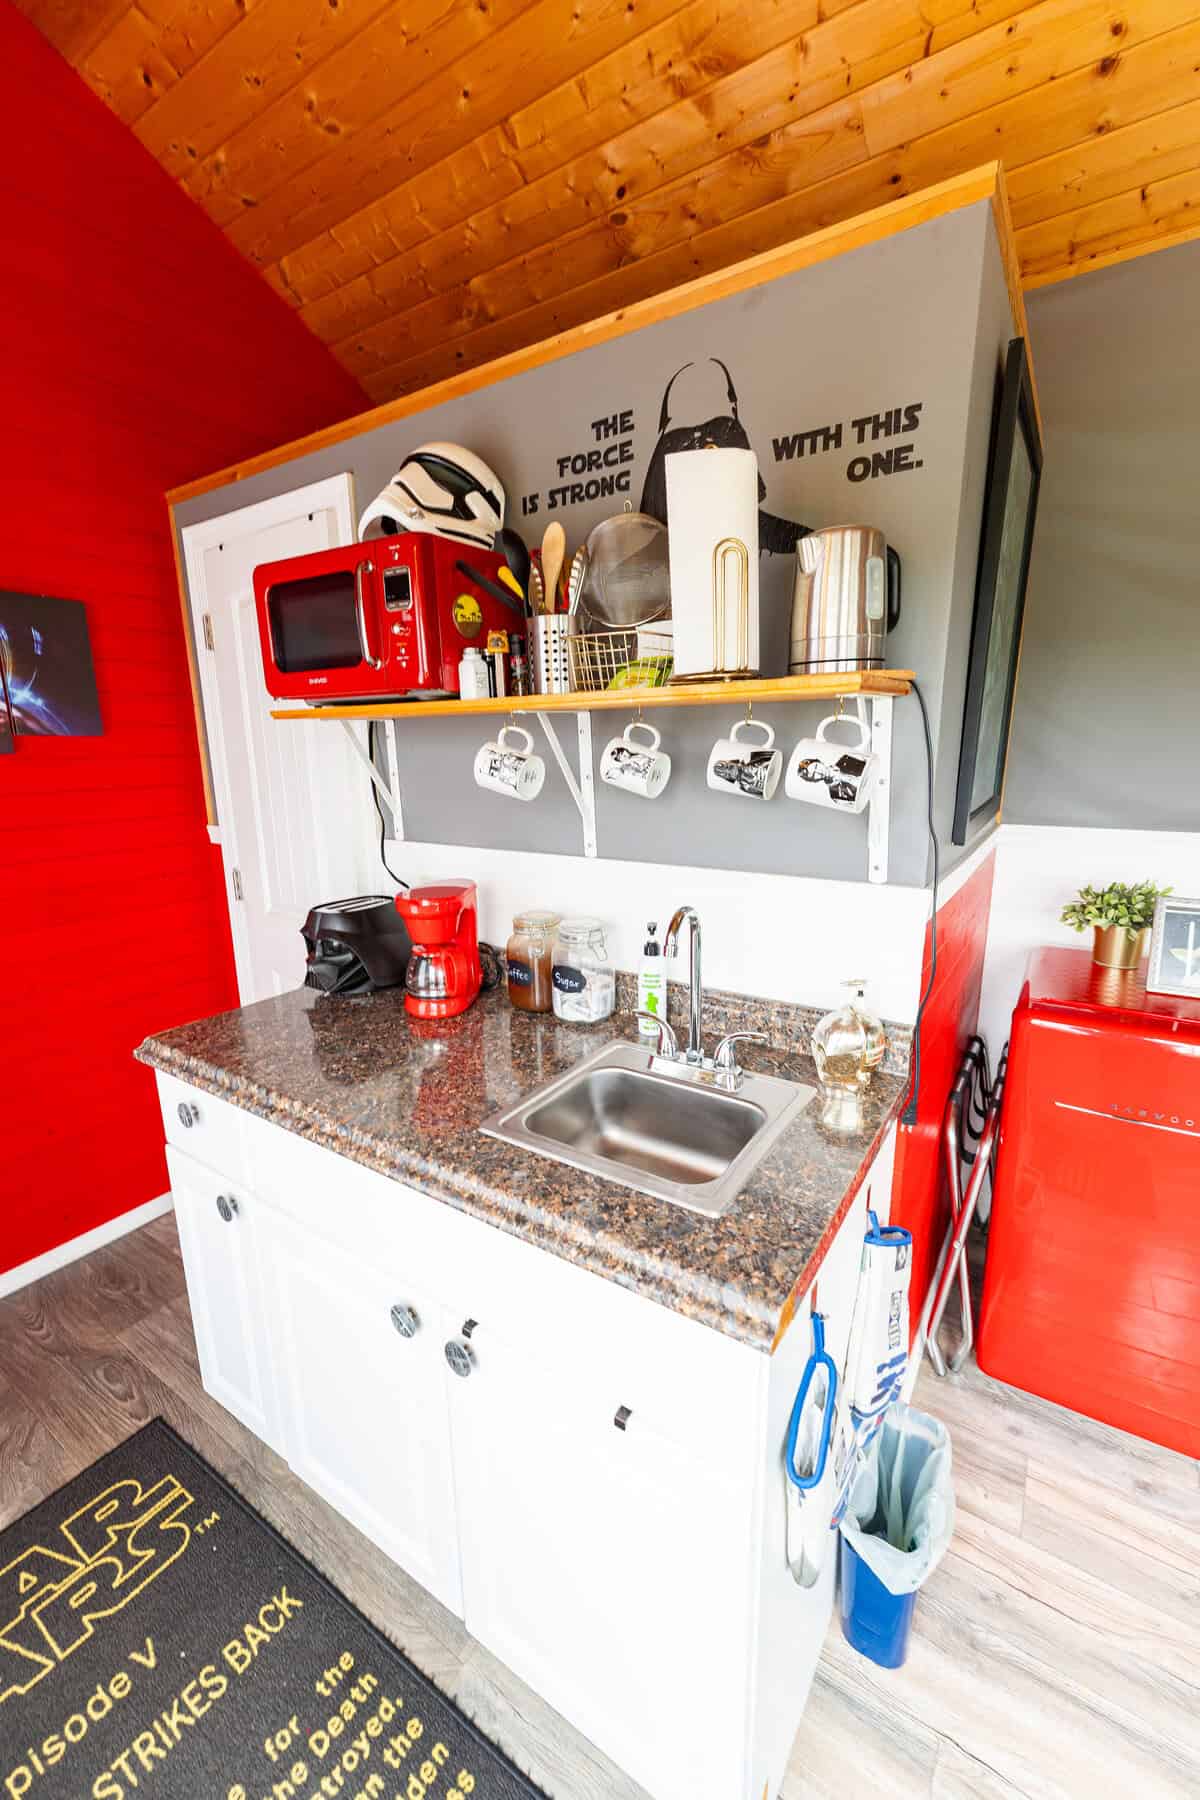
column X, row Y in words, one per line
column 1056, row 1652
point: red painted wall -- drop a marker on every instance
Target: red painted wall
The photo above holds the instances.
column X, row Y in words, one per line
column 139, row 350
column 920, row 1199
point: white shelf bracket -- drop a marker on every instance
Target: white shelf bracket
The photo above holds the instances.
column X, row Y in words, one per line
column 392, row 753
column 388, row 789
column 583, row 791
column 879, row 806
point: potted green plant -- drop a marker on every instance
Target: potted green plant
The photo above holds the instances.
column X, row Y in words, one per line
column 1119, row 916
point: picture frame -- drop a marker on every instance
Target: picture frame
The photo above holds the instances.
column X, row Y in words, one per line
column 1009, row 515
column 49, row 676
column 1175, row 949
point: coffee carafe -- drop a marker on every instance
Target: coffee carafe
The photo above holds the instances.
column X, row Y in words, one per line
column 845, row 599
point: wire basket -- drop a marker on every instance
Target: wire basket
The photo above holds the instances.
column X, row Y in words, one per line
column 632, row 659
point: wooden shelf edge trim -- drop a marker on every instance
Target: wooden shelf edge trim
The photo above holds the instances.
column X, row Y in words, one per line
column 870, row 227
column 716, row 693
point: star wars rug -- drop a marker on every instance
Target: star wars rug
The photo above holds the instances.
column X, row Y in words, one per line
column 159, row 1640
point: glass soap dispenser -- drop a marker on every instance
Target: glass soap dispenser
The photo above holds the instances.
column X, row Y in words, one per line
column 848, row 1045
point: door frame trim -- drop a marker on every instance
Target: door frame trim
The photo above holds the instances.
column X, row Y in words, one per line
column 335, row 493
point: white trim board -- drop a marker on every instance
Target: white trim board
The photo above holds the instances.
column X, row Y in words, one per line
column 28, row 1272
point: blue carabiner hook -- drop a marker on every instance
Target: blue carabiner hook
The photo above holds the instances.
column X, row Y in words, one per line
column 819, row 1358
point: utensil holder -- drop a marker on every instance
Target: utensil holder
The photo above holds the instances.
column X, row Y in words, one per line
column 549, row 656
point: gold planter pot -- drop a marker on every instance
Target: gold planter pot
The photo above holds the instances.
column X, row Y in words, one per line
column 1117, row 946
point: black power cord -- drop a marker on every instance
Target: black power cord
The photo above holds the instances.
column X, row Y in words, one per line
column 909, row 1115
column 400, row 882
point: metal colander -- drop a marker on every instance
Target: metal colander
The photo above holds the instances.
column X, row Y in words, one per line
column 628, row 582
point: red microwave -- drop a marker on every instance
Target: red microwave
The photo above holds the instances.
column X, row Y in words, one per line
column 386, row 618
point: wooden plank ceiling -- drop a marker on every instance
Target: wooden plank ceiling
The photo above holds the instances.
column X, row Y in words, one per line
column 434, row 182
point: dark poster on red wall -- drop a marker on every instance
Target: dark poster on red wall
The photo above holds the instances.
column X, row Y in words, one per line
column 7, row 745
column 46, row 667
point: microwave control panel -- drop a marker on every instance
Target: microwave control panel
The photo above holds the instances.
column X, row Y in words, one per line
column 397, row 590
column 399, row 618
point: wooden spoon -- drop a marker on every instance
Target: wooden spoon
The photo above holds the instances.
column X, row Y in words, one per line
column 554, row 549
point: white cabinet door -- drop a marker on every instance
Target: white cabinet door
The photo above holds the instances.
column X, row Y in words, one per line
column 296, row 818
column 610, row 1568
column 363, row 1395
column 218, row 1234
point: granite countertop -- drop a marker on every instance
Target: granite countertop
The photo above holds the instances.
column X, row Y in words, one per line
column 405, row 1097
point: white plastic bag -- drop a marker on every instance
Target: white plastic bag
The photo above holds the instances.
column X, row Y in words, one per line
column 900, row 1517
column 877, row 1356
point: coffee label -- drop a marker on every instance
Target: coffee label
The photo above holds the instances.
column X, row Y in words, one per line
column 519, row 974
column 568, row 980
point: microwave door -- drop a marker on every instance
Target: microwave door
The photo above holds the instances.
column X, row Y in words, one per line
column 316, row 622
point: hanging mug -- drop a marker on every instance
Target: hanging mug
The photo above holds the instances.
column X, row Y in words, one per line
column 752, row 770
column 515, row 772
column 636, row 768
column 833, row 774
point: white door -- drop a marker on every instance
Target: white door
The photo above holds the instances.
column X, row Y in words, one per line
column 363, row 1394
column 609, row 1568
column 217, row 1220
column 293, row 800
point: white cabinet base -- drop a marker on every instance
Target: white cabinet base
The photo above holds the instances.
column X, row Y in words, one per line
column 600, row 1494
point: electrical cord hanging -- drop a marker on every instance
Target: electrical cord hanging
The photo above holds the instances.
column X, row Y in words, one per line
column 909, row 1115
column 400, row 882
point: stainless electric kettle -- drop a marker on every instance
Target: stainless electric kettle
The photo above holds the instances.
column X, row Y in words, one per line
column 845, row 599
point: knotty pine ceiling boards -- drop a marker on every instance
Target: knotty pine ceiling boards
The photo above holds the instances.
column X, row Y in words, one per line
column 436, row 183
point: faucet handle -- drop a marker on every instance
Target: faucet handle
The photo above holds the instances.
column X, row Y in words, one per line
column 668, row 1044
column 726, row 1056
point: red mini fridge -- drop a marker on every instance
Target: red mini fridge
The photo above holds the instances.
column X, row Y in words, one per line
column 1091, row 1291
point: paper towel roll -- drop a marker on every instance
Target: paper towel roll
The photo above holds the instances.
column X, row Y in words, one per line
column 712, row 497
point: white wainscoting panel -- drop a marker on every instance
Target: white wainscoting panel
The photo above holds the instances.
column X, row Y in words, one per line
column 787, row 937
column 1038, row 869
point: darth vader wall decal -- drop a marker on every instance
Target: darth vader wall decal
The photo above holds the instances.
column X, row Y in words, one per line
column 724, row 431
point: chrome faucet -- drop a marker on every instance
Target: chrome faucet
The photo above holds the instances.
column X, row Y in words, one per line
column 695, row 1044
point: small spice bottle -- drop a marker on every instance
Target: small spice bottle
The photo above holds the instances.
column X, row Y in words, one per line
column 527, row 957
column 519, row 666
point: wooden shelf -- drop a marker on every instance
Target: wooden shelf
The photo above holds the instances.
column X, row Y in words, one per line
column 708, row 693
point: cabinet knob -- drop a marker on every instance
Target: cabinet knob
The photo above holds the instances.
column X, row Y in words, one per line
column 227, row 1206
column 460, row 1356
column 188, row 1115
column 406, row 1320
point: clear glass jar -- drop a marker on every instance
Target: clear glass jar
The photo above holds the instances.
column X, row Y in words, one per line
column 848, row 1045
column 527, row 960
column 583, row 981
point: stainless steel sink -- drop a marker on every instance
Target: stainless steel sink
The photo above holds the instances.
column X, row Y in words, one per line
column 660, row 1127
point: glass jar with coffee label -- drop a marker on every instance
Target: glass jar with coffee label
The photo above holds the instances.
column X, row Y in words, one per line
column 583, row 980
column 527, row 959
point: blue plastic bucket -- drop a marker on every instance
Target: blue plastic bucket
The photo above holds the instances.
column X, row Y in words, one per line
column 876, row 1621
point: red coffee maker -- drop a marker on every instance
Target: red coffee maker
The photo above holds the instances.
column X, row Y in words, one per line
column 443, row 975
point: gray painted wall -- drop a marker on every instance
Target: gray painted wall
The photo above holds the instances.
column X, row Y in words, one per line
column 1106, row 729
column 887, row 326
